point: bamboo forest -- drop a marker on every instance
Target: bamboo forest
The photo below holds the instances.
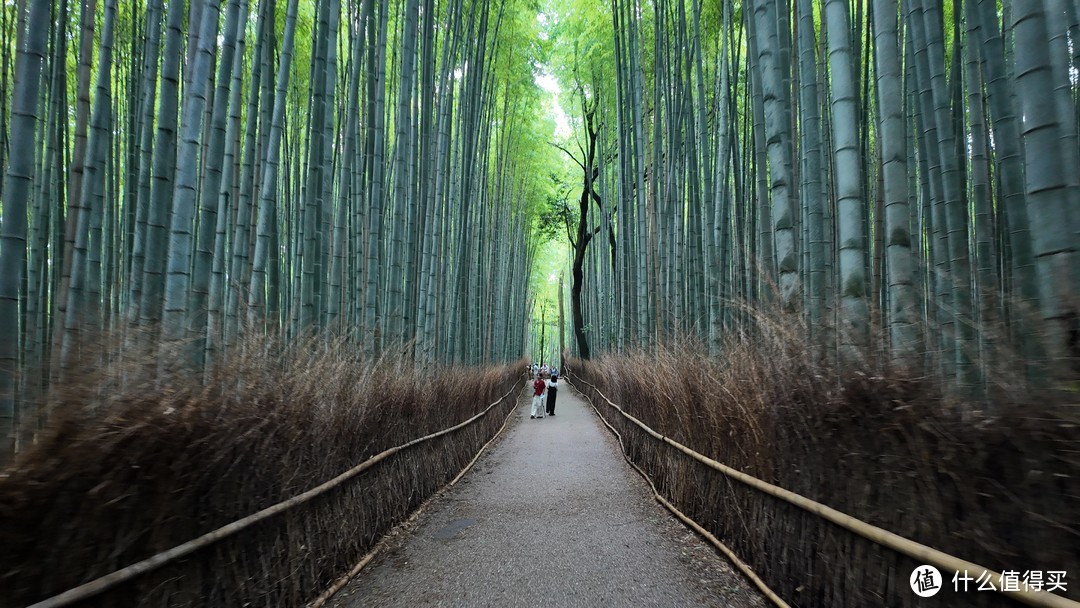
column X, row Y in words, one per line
column 811, row 267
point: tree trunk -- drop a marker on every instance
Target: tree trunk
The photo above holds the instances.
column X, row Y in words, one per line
column 18, row 182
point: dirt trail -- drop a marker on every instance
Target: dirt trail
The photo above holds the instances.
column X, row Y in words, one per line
column 551, row 516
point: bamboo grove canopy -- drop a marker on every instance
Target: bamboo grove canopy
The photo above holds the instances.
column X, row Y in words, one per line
column 901, row 176
column 197, row 170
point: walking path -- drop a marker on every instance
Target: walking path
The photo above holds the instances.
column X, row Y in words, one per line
column 551, row 516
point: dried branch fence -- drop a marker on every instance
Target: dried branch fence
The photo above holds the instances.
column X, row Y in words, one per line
column 811, row 554
column 280, row 555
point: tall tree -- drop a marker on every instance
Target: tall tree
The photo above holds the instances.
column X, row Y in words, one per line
column 1050, row 192
column 583, row 234
column 179, row 321
column 257, row 297
column 850, row 206
column 901, row 317
column 18, row 182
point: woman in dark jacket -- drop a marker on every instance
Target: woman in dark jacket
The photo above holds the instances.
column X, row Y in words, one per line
column 552, row 393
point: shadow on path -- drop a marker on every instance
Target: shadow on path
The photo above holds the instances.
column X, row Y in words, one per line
column 551, row 516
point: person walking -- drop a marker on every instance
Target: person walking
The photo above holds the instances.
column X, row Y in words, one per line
column 552, row 393
column 539, row 388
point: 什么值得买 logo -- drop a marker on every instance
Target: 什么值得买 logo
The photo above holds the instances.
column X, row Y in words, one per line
column 925, row 581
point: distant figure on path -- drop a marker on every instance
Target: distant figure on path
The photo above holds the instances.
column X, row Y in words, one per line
column 539, row 387
column 552, row 393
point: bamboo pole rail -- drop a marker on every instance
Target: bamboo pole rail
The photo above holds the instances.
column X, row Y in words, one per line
column 918, row 551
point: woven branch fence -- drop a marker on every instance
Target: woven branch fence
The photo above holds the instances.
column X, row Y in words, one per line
column 285, row 553
column 812, row 555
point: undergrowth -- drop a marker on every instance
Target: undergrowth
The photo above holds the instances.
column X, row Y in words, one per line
column 995, row 481
column 131, row 465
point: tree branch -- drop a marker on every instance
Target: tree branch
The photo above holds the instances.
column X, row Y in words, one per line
column 569, row 236
column 568, row 153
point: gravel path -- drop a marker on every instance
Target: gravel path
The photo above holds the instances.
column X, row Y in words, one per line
column 551, row 516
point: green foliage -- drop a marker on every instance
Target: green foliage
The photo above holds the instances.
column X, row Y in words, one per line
column 560, row 215
column 582, row 54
